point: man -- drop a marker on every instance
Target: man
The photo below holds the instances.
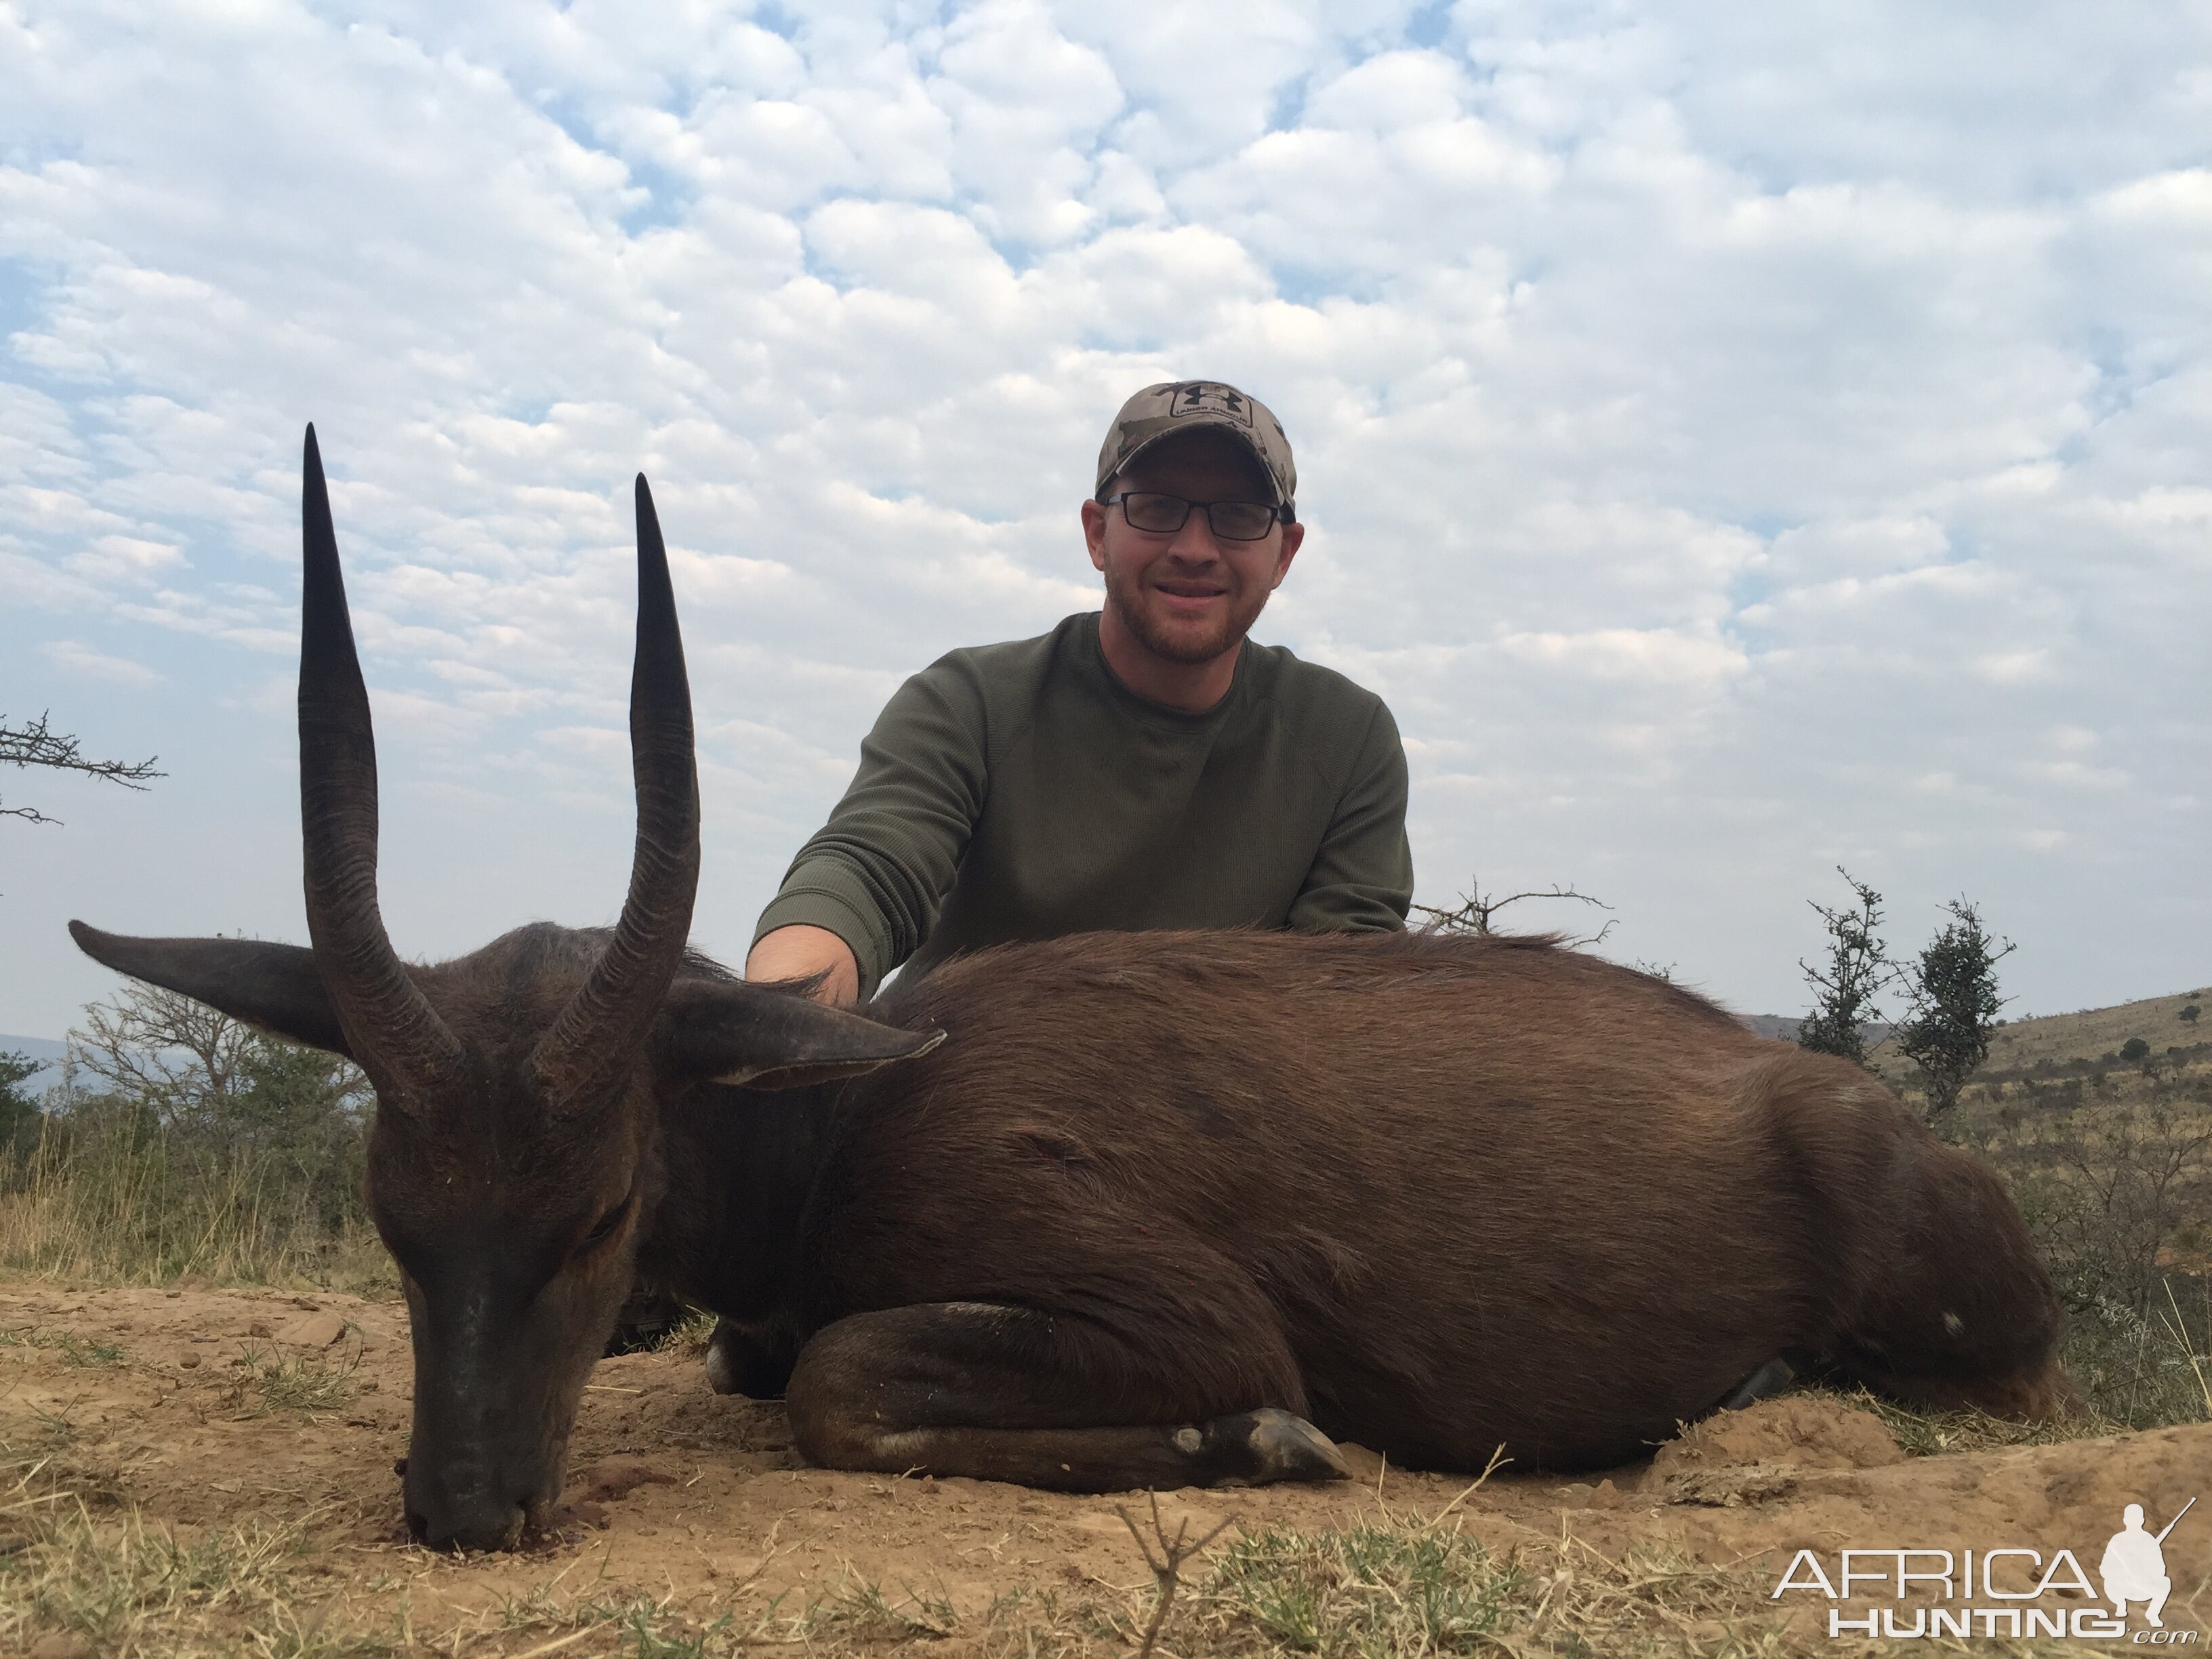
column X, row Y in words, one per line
column 1145, row 766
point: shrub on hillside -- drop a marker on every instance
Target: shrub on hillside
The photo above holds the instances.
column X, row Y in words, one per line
column 1845, row 986
column 19, row 1111
column 1953, row 987
column 2110, row 1187
column 181, row 1141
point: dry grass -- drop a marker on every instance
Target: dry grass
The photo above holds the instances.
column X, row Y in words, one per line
column 113, row 1209
column 1410, row 1585
column 689, row 1336
column 130, row 1588
column 75, row 1350
column 300, row 1381
column 1402, row 1584
column 1932, row 1434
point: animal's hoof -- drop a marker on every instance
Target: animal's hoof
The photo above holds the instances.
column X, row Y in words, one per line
column 721, row 1375
column 1284, row 1447
column 1769, row 1380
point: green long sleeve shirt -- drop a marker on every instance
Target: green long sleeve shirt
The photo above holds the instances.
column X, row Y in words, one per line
column 1021, row 791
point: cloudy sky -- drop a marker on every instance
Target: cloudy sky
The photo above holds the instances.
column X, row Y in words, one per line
column 1735, row 441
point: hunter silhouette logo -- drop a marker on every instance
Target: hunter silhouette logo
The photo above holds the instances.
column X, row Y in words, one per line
column 2010, row 1591
column 2134, row 1567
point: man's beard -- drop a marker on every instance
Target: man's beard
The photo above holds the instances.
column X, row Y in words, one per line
column 1127, row 598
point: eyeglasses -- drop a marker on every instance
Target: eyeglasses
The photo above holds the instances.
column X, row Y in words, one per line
column 1162, row 515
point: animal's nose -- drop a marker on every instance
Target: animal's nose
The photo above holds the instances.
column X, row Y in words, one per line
column 465, row 1514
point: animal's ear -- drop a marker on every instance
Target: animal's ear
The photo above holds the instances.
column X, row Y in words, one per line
column 273, row 987
column 728, row 1032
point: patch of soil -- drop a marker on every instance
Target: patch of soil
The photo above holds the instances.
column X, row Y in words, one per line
column 201, row 1409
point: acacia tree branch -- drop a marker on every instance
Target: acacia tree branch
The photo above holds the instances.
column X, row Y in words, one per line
column 1476, row 911
column 36, row 743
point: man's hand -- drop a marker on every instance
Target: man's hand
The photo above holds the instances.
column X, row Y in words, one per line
column 800, row 952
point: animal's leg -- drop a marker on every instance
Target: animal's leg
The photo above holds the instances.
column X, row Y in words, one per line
column 753, row 1360
column 1001, row 1393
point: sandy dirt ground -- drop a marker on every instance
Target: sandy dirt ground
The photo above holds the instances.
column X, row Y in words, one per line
column 200, row 1408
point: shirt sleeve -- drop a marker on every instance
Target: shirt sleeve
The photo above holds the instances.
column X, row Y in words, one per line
column 1362, row 878
column 876, row 875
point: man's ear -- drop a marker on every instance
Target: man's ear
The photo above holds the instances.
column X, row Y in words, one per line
column 274, row 987
column 1094, row 532
column 728, row 1032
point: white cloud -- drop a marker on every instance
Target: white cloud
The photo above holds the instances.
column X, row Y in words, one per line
column 75, row 659
column 1733, row 442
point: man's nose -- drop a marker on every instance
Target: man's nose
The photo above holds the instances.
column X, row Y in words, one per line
column 1194, row 544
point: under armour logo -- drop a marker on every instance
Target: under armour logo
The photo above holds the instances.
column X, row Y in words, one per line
column 1193, row 396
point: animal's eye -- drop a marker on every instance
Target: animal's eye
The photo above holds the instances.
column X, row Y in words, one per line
column 605, row 1224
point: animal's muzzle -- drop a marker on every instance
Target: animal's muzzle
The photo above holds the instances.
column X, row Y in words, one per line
column 466, row 1507
column 478, row 1523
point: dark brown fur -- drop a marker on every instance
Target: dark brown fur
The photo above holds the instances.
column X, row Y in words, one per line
column 1435, row 1193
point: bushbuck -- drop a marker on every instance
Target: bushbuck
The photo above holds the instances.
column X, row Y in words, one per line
column 1096, row 1212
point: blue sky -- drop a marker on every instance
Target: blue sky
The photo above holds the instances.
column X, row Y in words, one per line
column 1734, row 443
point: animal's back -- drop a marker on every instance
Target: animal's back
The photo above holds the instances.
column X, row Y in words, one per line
column 1491, row 1188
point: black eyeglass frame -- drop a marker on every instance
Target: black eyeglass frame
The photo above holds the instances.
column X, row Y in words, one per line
column 1284, row 514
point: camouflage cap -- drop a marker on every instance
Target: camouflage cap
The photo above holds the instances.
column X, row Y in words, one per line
column 1161, row 411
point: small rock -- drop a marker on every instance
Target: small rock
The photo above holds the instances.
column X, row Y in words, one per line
column 1733, row 1486
column 317, row 1330
column 308, row 1303
column 1606, row 1497
column 62, row 1644
column 188, row 1360
column 259, row 1327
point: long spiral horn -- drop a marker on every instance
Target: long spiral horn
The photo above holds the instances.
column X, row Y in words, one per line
column 391, row 1026
column 598, row 1034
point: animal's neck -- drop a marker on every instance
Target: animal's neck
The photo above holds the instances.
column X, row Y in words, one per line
column 739, row 1164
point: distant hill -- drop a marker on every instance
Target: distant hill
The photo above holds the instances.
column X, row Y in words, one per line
column 2092, row 1036
column 2051, row 1042
column 1784, row 1027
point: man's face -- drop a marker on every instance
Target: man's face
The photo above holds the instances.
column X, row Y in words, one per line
column 1190, row 596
